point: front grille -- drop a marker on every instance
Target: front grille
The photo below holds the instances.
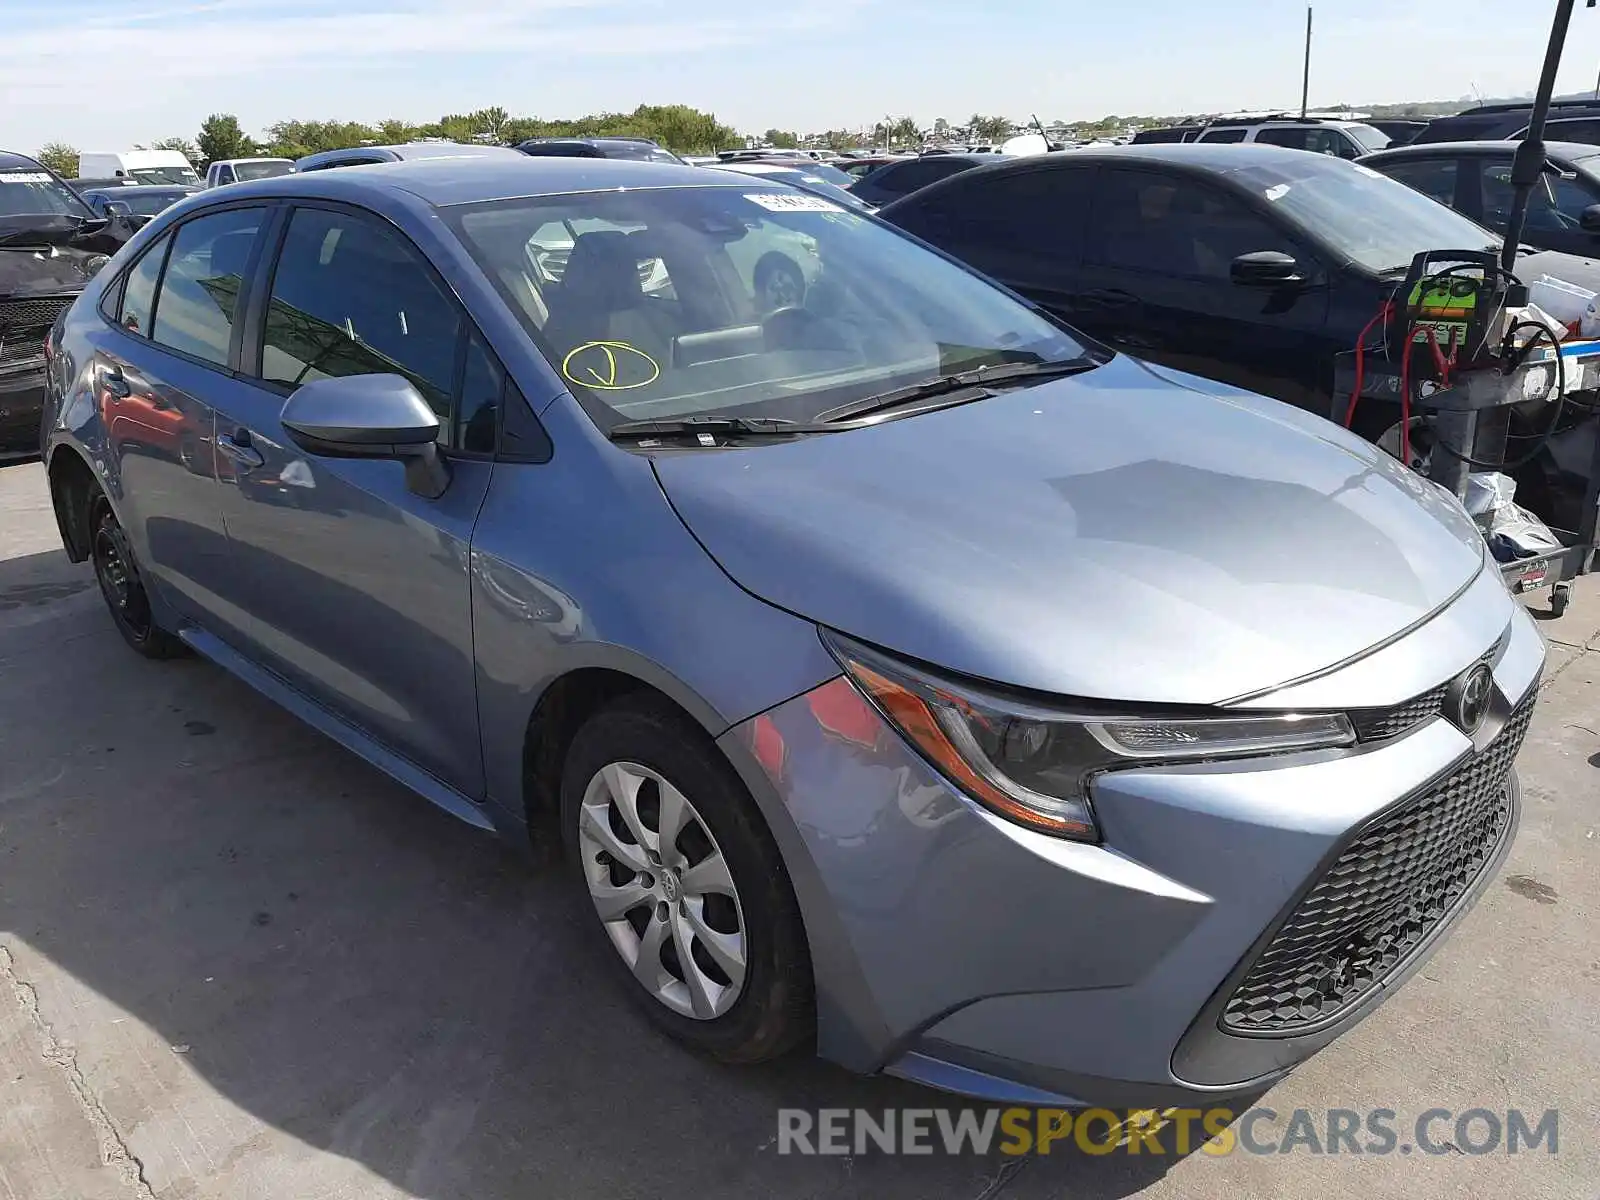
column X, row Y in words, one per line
column 1382, row 897
column 24, row 324
column 1375, row 724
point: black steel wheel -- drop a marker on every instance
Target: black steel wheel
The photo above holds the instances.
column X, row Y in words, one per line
column 117, row 571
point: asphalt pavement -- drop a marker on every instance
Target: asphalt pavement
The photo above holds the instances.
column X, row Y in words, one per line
column 237, row 963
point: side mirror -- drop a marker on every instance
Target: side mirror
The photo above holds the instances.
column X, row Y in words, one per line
column 1589, row 219
column 1266, row 269
column 370, row 416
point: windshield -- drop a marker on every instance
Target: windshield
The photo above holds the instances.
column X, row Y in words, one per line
column 1380, row 223
column 163, row 175
column 33, row 191
column 742, row 300
column 1369, row 138
column 261, row 170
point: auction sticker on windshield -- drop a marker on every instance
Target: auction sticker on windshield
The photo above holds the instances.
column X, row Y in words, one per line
column 25, row 177
column 778, row 202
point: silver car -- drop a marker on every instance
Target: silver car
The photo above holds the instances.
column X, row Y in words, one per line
column 903, row 674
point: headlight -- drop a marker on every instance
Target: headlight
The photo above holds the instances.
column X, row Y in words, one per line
column 1033, row 764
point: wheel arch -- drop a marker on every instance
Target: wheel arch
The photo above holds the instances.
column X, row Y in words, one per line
column 73, row 487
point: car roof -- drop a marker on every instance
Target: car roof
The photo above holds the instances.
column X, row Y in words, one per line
column 10, row 160
column 447, row 181
column 982, row 159
column 142, row 189
column 1570, row 150
column 1215, row 158
column 406, row 151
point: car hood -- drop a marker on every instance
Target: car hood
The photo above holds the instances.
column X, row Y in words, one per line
column 1115, row 535
column 44, row 271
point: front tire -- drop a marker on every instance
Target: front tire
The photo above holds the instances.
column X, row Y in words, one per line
column 121, row 584
column 686, row 885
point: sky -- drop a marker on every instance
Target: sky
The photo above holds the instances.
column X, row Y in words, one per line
column 105, row 74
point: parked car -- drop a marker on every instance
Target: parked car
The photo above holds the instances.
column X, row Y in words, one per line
column 860, row 167
column 136, row 204
column 138, row 166
column 634, row 148
column 809, row 178
column 236, row 170
column 1320, row 135
column 1400, row 132
column 366, row 156
column 795, row 630
column 1251, row 265
column 1167, row 134
column 901, row 178
column 1474, row 178
column 1570, row 121
column 51, row 245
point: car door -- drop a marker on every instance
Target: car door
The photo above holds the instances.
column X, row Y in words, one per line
column 1024, row 227
column 1157, row 282
column 358, row 587
column 1555, row 208
column 160, row 364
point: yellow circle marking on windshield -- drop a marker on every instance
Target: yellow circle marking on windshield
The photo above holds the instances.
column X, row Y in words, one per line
column 610, row 367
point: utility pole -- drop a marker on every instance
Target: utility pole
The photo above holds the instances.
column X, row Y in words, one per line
column 1305, row 83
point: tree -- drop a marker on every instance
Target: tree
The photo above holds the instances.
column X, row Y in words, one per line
column 60, row 158
column 182, row 145
column 221, row 138
column 905, row 131
column 780, row 140
column 941, row 130
column 989, row 129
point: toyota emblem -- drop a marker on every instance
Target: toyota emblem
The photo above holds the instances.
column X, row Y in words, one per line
column 1468, row 701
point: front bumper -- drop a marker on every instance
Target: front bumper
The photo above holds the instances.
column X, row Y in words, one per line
column 21, row 410
column 957, row 949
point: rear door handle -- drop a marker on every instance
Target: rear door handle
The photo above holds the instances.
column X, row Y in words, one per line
column 237, row 446
column 114, row 382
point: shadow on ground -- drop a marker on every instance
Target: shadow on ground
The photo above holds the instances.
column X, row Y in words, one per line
column 349, row 966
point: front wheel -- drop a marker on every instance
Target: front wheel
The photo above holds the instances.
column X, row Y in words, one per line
column 686, row 884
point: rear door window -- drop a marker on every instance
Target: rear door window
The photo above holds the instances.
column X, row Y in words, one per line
column 1294, row 137
column 1435, row 177
column 200, row 290
column 1224, row 135
column 139, row 293
column 1554, row 207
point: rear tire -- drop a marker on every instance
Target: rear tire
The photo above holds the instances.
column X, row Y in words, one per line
column 122, row 585
column 702, row 925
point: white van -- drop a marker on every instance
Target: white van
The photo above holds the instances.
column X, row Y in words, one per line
column 137, row 166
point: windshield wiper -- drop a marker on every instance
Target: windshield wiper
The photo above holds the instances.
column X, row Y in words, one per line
column 976, row 381
column 709, row 425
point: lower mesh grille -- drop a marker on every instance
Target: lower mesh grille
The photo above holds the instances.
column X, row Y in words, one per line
column 24, row 324
column 1382, row 896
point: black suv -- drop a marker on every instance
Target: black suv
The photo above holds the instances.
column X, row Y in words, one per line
column 1252, row 265
column 639, row 149
column 1570, row 121
column 51, row 244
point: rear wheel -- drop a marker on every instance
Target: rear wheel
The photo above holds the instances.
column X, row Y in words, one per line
column 117, row 572
column 686, row 884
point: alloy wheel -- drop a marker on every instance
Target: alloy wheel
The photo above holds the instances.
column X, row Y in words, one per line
column 662, row 890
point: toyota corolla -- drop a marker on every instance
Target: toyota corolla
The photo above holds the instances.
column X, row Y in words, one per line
column 904, row 675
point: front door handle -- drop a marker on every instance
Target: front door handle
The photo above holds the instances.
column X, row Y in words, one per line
column 237, row 446
column 115, row 383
